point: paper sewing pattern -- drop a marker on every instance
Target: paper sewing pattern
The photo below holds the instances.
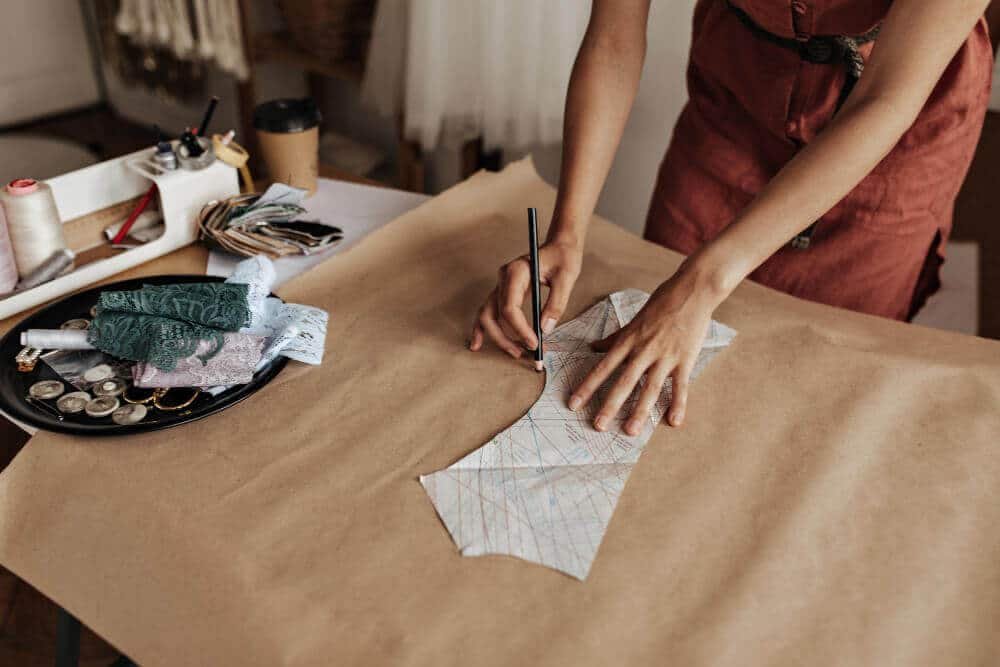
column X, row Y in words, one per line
column 544, row 489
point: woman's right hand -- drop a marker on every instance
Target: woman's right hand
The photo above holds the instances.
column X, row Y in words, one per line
column 502, row 319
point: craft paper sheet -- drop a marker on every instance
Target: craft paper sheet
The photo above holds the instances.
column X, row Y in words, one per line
column 831, row 499
column 545, row 489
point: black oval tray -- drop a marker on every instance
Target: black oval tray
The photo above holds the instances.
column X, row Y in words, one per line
column 14, row 384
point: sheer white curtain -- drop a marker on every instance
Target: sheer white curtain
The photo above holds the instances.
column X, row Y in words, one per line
column 459, row 69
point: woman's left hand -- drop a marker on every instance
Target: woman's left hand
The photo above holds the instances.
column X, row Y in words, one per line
column 662, row 341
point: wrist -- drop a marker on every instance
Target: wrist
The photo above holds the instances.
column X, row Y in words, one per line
column 713, row 274
column 569, row 236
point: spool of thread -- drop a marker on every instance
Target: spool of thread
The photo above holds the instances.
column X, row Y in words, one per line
column 234, row 155
column 56, row 339
column 8, row 266
column 33, row 223
column 49, row 269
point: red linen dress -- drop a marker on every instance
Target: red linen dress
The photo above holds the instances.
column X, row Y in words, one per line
column 754, row 102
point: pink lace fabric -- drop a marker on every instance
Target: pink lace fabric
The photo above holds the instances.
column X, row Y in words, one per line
column 233, row 364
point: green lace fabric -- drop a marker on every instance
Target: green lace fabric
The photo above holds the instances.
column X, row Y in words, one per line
column 218, row 305
column 161, row 324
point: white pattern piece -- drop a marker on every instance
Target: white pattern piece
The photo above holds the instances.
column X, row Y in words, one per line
column 544, row 489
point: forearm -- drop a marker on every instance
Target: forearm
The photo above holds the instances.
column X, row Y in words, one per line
column 896, row 84
column 602, row 88
column 809, row 186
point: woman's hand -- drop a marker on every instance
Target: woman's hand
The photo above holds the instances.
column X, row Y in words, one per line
column 662, row 341
column 501, row 317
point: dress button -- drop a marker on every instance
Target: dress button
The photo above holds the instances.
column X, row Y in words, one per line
column 791, row 127
column 799, row 8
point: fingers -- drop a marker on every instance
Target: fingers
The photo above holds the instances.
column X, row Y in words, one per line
column 513, row 284
column 605, row 344
column 620, row 391
column 596, row 377
column 487, row 323
column 559, row 290
column 678, row 406
column 476, row 342
column 656, row 376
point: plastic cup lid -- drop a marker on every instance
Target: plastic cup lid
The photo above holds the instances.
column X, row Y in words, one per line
column 287, row 115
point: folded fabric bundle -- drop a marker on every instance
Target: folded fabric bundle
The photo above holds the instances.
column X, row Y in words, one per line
column 162, row 324
column 167, row 328
column 157, row 340
column 217, row 305
column 234, row 363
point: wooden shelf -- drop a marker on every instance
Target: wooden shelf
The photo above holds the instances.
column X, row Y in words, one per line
column 278, row 47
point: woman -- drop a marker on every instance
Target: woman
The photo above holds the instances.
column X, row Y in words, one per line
column 787, row 166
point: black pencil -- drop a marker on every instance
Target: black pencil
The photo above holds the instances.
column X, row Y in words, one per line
column 536, row 287
column 207, row 118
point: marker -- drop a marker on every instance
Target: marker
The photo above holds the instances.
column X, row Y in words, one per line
column 536, row 287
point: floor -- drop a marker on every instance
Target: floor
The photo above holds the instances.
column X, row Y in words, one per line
column 28, row 619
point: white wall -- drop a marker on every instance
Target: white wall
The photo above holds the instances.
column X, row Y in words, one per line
column 45, row 65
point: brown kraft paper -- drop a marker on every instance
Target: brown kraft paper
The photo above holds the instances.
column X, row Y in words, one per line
column 832, row 498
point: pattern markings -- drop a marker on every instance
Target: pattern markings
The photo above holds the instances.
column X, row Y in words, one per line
column 545, row 488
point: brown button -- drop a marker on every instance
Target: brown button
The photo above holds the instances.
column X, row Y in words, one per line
column 46, row 389
column 102, row 406
column 73, row 402
column 129, row 414
column 109, row 387
column 79, row 323
column 98, row 373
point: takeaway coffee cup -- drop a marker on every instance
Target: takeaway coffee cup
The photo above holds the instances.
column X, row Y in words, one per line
column 288, row 136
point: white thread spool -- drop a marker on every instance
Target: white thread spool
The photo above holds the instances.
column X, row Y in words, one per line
column 33, row 223
column 56, row 339
column 8, row 266
column 47, row 270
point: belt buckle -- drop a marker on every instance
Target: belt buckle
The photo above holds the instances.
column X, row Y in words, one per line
column 803, row 239
column 800, row 242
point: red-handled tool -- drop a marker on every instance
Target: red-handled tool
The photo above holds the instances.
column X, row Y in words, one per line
column 144, row 202
column 140, row 207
